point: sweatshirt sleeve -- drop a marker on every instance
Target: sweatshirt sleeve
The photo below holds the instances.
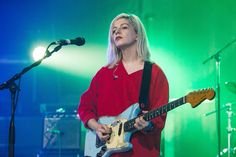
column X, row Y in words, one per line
column 87, row 107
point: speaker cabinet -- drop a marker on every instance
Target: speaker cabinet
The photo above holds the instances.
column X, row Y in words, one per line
column 61, row 131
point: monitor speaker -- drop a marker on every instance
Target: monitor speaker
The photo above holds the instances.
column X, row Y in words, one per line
column 61, row 131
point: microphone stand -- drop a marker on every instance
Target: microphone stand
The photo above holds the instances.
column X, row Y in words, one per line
column 13, row 87
column 217, row 57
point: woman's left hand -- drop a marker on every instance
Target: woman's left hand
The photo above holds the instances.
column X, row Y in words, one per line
column 140, row 123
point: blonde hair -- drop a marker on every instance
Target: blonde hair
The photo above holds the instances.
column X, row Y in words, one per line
column 114, row 54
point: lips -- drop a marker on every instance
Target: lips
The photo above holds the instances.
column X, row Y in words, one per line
column 118, row 38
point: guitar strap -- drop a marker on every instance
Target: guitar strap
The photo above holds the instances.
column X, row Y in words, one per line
column 145, row 85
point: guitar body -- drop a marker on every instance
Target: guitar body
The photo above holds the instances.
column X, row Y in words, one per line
column 119, row 140
column 122, row 126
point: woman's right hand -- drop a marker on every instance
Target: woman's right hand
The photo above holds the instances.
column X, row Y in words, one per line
column 103, row 132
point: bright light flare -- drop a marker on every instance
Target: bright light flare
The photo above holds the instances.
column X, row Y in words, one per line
column 39, row 53
column 80, row 61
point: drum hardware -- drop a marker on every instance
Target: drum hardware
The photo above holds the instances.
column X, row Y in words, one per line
column 231, row 152
column 229, row 128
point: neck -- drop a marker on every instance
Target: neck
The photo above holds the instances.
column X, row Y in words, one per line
column 130, row 59
column 129, row 54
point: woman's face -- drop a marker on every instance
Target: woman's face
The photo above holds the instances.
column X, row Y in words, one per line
column 123, row 33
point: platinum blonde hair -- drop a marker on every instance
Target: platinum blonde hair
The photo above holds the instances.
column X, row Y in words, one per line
column 114, row 54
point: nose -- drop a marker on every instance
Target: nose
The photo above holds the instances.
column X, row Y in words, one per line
column 117, row 30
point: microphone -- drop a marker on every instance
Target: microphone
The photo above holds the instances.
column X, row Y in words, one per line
column 77, row 41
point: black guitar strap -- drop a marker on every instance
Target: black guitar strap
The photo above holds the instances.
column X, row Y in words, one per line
column 145, row 85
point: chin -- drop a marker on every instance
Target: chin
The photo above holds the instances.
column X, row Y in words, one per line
column 121, row 45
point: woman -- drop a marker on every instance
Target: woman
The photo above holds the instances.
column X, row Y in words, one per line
column 116, row 86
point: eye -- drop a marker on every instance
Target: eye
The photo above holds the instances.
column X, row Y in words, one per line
column 113, row 31
column 124, row 27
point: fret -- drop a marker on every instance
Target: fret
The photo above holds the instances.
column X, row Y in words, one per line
column 161, row 111
column 168, row 107
column 157, row 112
column 178, row 102
column 184, row 99
column 172, row 105
column 152, row 114
column 129, row 125
column 164, row 108
column 147, row 117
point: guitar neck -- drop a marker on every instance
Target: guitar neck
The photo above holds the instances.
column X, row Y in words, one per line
column 129, row 125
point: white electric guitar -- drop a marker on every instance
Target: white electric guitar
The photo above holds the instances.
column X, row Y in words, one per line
column 122, row 126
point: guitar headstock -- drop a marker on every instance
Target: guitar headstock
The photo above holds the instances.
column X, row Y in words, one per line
column 196, row 97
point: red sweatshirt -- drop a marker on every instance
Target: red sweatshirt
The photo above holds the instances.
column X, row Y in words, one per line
column 114, row 90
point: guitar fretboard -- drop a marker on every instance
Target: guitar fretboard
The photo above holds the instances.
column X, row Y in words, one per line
column 129, row 125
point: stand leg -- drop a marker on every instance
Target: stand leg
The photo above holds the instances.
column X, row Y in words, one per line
column 11, row 138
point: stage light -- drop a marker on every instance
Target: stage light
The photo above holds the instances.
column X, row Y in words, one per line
column 79, row 61
column 38, row 53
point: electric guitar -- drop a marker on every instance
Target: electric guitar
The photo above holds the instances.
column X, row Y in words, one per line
column 122, row 126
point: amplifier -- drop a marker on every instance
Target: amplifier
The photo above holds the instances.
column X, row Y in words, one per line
column 61, row 131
